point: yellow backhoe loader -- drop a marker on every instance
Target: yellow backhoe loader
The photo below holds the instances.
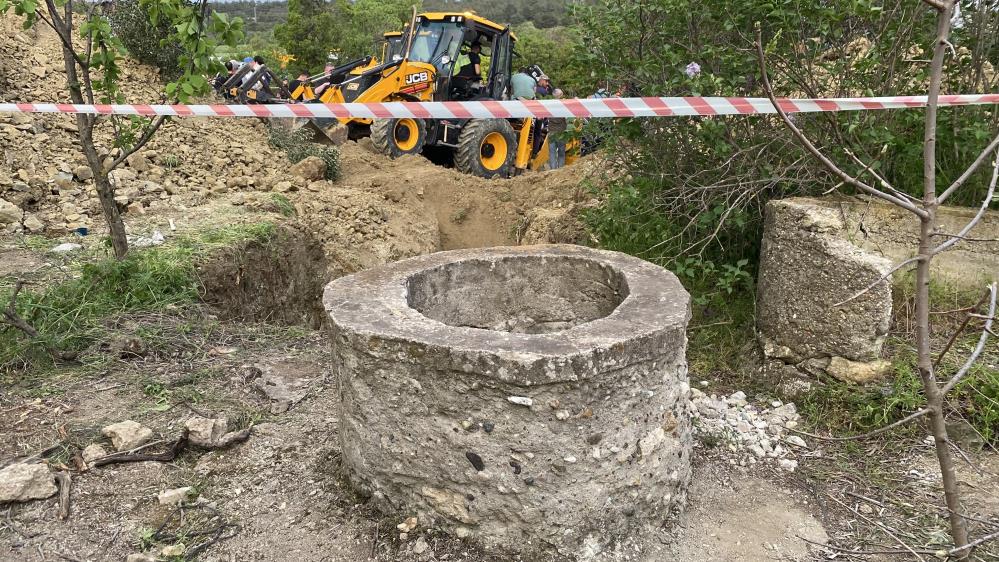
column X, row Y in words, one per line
column 426, row 68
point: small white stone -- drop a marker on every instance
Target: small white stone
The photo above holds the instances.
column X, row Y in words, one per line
column 570, row 459
column 421, row 546
column 66, row 248
column 789, row 465
column 174, row 496
column 408, row 525
column 797, row 441
column 174, row 550
column 520, row 400
column 93, row 452
column 127, row 435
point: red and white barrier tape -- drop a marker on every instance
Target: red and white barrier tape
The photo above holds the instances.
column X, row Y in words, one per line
column 599, row 107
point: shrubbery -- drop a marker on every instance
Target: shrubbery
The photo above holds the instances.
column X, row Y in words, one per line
column 696, row 187
column 146, row 43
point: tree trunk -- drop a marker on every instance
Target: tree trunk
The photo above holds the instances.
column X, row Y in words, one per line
column 105, row 192
column 934, row 397
column 85, row 131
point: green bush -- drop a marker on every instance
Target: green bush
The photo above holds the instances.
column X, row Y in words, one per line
column 145, row 42
column 696, row 187
column 297, row 145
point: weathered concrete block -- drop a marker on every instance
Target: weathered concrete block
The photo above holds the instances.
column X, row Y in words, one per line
column 530, row 397
column 806, row 267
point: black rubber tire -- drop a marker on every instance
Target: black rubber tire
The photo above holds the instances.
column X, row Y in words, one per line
column 383, row 137
column 467, row 158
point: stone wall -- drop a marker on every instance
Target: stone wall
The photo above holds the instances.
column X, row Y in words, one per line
column 817, row 253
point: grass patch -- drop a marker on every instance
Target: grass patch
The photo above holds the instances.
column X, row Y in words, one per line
column 283, row 205
column 70, row 315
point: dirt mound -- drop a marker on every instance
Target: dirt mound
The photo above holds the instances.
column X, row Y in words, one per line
column 471, row 211
column 44, row 173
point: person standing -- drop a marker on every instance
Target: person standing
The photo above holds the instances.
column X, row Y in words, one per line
column 522, row 85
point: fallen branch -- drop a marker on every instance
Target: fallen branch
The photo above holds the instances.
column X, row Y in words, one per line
column 65, row 483
column 878, row 524
column 973, row 544
column 176, row 448
column 217, row 533
column 862, row 552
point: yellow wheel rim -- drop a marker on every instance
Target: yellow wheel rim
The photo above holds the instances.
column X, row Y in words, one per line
column 406, row 134
column 493, row 151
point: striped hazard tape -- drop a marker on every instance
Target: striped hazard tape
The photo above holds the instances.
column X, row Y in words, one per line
column 594, row 107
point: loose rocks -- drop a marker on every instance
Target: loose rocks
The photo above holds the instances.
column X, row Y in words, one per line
column 22, row 482
column 753, row 434
column 204, row 432
column 93, row 452
column 127, row 435
column 434, row 350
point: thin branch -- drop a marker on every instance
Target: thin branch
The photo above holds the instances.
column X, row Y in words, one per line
column 938, row 4
column 960, row 329
column 978, row 216
column 829, row 164
column 57, row 25
column 880, row 280
column 979, row 348
column 13, row 319
column 146, row 136
column 965, row 238
column 973, row 544
column 868, row 435
column 970, row 171
column 869, row 168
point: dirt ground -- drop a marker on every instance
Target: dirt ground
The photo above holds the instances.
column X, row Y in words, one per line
column 281, row 488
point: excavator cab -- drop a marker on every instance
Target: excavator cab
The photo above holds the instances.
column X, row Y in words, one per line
column 393, row 46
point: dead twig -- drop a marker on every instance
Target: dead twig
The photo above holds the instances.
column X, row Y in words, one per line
column 879, row 525
column 868, row 435
column 960, row 329
column 166, row 456
column 855, row 552
column 65, row 484
column 973, row 544
column 978, row 348
column 176, row 448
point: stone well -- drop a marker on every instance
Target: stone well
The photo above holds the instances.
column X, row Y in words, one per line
column 529, row 397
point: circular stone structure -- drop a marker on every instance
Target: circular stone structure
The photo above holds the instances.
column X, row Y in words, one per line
column 530, row 397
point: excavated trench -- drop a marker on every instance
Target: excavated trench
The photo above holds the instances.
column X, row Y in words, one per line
column 276, row 279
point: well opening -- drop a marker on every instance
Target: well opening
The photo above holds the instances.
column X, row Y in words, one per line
column 520, row 294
